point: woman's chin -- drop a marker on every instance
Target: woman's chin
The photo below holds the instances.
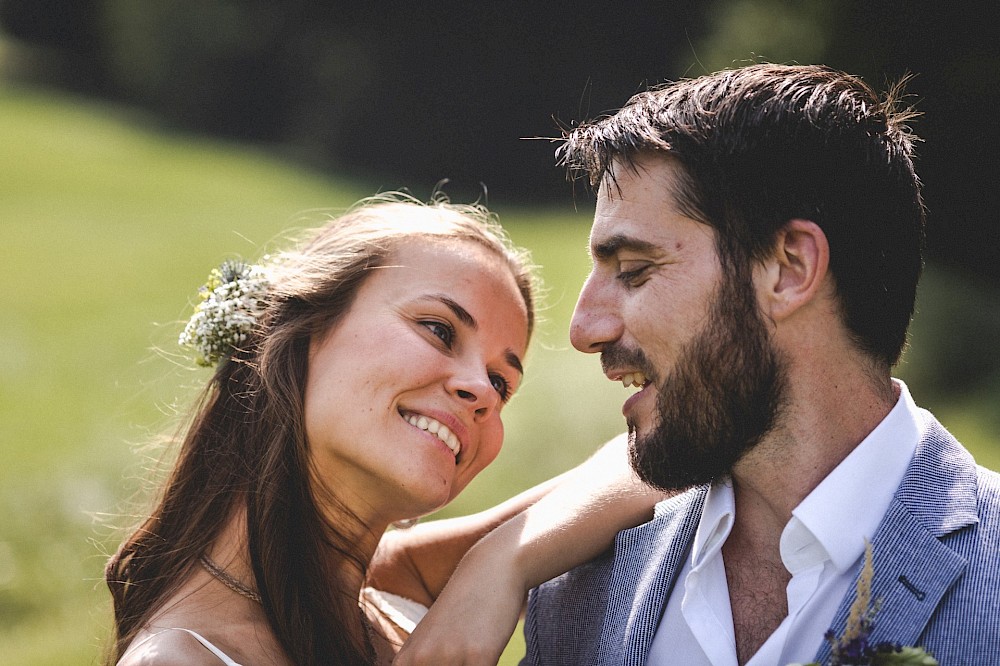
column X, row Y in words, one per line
column 422, row 505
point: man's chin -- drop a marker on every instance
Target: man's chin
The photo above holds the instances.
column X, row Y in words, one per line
column 671, row 470
column 674, row 484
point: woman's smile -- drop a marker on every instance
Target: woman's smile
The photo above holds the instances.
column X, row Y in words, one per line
column 442, row 432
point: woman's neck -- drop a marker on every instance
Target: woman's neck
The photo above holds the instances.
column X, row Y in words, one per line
column 230, row 551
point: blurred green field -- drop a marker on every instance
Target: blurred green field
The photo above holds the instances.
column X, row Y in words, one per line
column 108, row 226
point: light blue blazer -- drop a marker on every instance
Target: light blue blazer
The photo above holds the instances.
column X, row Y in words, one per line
column 937, row 572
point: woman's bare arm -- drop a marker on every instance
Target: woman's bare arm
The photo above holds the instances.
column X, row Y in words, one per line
column 569, row 522
column 417, row 562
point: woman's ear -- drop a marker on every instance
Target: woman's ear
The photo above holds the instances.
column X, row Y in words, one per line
column 796, row 270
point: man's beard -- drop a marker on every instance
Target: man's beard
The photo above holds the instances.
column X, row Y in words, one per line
column 719, row 401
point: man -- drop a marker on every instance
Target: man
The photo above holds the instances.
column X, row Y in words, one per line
column 756, row 249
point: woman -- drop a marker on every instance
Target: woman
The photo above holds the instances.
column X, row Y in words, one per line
column 360, row 382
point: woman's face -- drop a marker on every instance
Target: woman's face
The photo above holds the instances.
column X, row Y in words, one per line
column 403, row 398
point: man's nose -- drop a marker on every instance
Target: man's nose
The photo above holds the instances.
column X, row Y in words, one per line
column 596, row 319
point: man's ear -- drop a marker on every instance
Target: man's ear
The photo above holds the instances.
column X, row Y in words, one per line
column 796, row 270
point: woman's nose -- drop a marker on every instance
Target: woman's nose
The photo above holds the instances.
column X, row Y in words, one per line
column 475, row 390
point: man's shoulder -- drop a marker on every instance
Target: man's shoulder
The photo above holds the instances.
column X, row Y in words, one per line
column 967, row 621
column 958, row 460
column 988, row 504
column 944, row 479
column 566, row 615
column 674, row 521
column 989, row 481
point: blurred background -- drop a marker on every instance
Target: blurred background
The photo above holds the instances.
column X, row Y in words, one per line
column 143, row 142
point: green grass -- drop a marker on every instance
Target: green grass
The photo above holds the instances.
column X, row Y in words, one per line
column 108, row 228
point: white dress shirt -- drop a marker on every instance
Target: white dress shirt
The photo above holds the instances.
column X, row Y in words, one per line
column 821, row 547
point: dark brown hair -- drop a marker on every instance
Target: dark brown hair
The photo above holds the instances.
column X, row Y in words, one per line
column 765, row 144
column 246, row 445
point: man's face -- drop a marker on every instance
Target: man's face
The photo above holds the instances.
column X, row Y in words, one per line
column 664, row 316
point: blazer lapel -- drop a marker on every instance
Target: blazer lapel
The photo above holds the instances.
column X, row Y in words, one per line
column 913, row 568
column 647, row 560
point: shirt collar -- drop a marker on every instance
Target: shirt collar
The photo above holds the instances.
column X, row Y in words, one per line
column 834, row 520
column 716, row 522
column 846, row 507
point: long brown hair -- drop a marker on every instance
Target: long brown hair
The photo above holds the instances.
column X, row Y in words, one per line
column 246, row 445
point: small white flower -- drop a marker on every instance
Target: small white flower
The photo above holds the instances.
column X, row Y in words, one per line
column 231, row 301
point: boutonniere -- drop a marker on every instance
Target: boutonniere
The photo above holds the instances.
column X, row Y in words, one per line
column 852, row 648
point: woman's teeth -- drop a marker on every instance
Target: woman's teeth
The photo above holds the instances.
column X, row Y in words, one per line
column 436, row 428
column 634, row 379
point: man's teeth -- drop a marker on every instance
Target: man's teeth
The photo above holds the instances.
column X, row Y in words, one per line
column 634, row 379
column 436, row 428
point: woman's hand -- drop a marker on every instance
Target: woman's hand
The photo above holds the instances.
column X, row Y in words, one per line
column 393, row 569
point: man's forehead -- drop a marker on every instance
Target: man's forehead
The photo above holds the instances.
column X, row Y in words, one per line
column 645, row 226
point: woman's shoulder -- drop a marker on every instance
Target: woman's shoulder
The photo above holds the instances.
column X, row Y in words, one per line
column 174, row 647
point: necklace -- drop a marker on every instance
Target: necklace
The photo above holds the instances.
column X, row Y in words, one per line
column 219, row 574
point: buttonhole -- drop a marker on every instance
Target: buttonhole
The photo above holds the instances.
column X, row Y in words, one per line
column 914, row 590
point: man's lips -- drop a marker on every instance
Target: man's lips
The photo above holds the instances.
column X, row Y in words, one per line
column 633, row 399
column 629, row 379
column 633, row 379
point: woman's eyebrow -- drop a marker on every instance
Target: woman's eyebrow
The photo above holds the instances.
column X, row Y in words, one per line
column 514, row 361
column 463, row 316
column 460, row 313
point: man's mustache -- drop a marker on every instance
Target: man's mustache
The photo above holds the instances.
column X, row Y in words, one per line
column 617, row 355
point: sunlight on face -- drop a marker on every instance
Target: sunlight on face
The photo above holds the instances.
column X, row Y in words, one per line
column 403, row 399
column 654, row 276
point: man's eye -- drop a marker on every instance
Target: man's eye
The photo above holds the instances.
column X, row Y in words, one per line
column 632, row 273
column 501, row 386
column 442, row 331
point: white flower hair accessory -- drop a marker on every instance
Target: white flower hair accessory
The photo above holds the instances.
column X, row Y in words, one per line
column 231, row 301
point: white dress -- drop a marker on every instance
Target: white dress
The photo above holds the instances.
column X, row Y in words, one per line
column 402, row 612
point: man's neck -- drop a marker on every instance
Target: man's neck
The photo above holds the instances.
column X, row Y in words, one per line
column 828, row 419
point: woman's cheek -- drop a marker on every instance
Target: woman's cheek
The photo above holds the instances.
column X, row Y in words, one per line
column 492, row 443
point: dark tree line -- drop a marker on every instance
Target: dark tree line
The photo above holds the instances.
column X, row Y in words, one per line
column 415, row 92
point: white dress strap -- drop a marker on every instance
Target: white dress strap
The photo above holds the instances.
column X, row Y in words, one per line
column 226, row 659
column 211, row 648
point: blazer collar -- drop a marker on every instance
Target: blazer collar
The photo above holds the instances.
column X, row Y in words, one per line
column 647, row 560
column 913, row 568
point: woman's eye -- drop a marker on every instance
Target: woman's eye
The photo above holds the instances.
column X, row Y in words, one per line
column 501, row 386
column 441, row 331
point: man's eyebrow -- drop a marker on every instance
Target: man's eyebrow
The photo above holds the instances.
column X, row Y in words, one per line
column 463, row 316
column 610, row 246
